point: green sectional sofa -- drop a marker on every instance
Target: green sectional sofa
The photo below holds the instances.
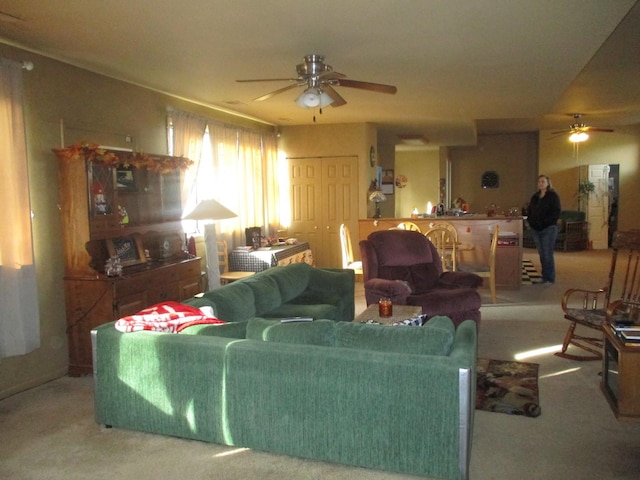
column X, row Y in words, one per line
column 296, row 290
column 399, row 398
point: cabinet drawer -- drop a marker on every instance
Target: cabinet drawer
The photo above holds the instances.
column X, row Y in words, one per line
column 163, row 293
column 189, row 270
column 130, row 304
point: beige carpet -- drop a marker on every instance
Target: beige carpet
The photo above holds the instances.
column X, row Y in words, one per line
column 48, row 433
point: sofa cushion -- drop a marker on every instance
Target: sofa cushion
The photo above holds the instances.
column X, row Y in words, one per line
column 266, row 293
column 317, row 311
column 434, row 338
column 318, row 332
column 292, row 280
column 227, row 330
column 232, row 303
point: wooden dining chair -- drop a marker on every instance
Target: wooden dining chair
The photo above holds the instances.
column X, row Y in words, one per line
column 446, row 244
column 347, row 252
column 223, row 259
column 487, row 270
column 617, row 301
column 409, row 226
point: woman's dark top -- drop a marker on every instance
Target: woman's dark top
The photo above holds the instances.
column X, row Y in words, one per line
column 545, row 211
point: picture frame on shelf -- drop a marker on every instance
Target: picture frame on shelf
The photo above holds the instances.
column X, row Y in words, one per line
column 125, row 180
column 128, row 248
column 386, row 184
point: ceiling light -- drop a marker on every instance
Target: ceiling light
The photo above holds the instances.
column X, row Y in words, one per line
column 314, row 97
column 577, row 137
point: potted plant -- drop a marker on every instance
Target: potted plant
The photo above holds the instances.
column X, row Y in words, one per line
column 585, row 188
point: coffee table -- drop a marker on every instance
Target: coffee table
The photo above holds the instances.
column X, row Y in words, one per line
column 400, row 312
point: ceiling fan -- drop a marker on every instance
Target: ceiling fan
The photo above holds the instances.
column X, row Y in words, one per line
column 319, row 80
column 579, row 132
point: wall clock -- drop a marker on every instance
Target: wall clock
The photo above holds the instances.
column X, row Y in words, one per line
column 372, row 156
column 490, row 179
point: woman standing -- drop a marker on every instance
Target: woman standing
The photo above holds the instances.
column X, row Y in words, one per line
column 544, row 211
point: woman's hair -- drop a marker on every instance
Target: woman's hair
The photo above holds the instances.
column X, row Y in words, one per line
column 550, row 187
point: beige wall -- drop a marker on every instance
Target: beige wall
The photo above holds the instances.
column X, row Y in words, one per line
column 512, row 156
column 93, row 108
column 422, row 169
column 561, row 162
column 333, row 141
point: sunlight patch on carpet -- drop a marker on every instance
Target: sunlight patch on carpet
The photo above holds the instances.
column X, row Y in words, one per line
column 507, row 387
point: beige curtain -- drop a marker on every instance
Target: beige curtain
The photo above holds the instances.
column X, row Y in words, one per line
column 245, row 178
column 188, row 132
column 239, row 168
column 19, row 320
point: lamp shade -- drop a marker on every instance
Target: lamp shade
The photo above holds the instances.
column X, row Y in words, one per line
column 209, row 209
column 577, row 137
column 314, row 97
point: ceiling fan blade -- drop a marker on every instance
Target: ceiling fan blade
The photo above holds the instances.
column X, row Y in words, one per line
column 562, row 131
column 594, row 129
column 374, row 87
column 276, row 92
column 269, row 80
column 338, row 101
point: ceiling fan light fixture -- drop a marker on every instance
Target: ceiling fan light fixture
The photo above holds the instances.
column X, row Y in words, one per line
column 577, row 137
column 314, row 97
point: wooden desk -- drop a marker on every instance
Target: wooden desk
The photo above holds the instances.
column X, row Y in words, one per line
column 474, row 237
column 620, row 379
column 258, row 260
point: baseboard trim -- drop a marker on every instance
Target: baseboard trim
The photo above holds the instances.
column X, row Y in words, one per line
column 33, row 383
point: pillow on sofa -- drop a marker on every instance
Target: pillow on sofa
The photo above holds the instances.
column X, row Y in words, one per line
column 434, row 338
column 317, row 332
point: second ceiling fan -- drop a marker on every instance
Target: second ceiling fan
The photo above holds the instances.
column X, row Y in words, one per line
column 319, row 80
column 579, row 132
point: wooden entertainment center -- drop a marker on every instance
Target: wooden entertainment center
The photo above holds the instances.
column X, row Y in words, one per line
column 124, row 205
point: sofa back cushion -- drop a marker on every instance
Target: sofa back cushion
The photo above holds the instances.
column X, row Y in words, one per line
column 266, row 293
column 434, row 338
column 317, row 332
column 227, row 330
column 232, row 303
column 292, row 279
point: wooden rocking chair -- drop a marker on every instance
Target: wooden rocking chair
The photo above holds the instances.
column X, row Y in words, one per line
column 618, row 300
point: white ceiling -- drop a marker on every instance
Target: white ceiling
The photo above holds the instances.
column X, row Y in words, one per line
column 460, row 66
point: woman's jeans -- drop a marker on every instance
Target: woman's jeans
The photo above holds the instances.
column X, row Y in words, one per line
column 545, row 240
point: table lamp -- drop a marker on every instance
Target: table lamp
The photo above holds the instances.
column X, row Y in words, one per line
column 377, row 196
column 212, row 210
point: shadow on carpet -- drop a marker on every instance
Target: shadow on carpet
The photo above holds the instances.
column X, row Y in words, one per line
column 507, row 387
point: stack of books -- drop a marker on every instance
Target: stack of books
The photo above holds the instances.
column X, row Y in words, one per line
column 629, row 333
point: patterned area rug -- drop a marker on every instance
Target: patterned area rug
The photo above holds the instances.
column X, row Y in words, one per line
column 529, row 272
column 507, row 387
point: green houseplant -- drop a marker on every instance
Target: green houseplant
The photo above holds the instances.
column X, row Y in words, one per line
column 585, row 188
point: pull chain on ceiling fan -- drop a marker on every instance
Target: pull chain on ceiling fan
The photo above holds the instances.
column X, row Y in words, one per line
column 319, row 80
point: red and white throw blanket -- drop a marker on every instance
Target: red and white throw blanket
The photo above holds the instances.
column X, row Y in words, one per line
column 171, row 317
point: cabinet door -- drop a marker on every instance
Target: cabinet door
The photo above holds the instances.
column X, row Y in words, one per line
column 131, row 304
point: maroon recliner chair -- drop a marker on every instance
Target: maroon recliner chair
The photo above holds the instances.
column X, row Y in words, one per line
column 405, row 266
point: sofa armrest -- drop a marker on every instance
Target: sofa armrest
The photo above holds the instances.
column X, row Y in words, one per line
column 459, row 280
column 338, row 283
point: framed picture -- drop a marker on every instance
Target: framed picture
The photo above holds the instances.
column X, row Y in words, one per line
column 125, row 180
column 387, row 182
column 128, row 248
